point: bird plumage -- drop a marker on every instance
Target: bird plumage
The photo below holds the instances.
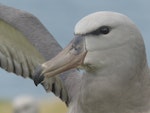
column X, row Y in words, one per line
column 24, row 44
column 107, row 46
column 116, row 74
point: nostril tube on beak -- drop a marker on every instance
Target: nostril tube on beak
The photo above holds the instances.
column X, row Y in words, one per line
column 78, row 45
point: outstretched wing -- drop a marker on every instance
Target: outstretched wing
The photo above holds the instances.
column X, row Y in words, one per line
column 24, row 44
column 17, row 54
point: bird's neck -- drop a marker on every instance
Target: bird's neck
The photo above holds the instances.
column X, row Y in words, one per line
column 115, row 90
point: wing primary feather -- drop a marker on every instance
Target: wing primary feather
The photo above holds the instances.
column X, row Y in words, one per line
column 10, row 67
column 3, row 61
column 61, row 93
column 17, row 66
column 13, row 64
column 25, row 43
column 10, row 64
column 30, row 66
column 58, row 86
column 23, row 64
column 53, row 87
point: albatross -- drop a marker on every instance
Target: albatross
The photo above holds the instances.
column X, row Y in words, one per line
column 108, row 47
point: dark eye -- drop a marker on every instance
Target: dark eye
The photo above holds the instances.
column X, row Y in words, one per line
column 102, row 30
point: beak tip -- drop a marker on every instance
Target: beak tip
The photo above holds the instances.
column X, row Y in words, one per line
column 38, row 77
column 36, row 84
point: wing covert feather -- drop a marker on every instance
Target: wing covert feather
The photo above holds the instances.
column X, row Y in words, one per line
column 24, row 44
column 32, row 29
column 16, row 52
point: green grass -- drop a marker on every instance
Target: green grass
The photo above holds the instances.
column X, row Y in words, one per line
column 46, row 106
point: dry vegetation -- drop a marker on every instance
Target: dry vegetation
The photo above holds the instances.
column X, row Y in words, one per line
column 46, row 106
column 5, row 107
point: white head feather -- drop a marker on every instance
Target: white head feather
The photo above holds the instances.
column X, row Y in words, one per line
column 117, row 65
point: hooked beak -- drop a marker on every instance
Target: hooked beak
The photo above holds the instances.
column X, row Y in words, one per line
column 71, row 57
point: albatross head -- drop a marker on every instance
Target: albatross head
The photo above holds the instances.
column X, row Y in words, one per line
column 104, row 41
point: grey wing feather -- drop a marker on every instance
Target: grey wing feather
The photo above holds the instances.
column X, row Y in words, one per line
column 33, row 30
column 25, row 43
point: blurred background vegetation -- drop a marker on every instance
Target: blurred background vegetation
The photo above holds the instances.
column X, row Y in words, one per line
column 45, row 106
